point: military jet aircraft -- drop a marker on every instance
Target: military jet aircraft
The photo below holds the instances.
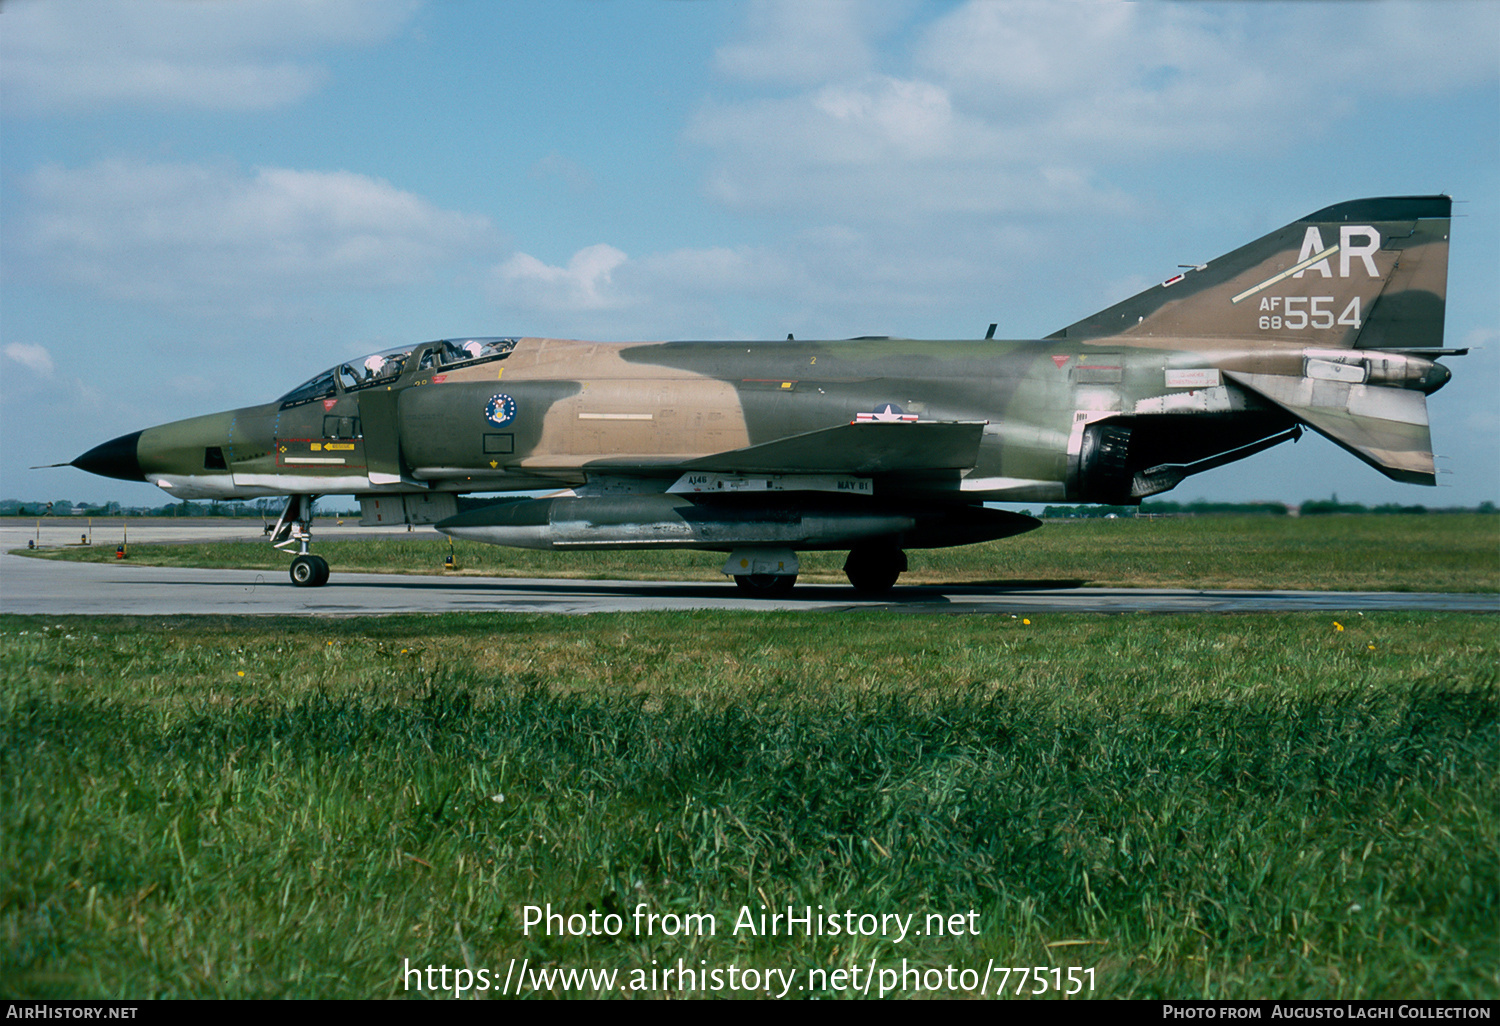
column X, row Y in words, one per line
column 872, row 445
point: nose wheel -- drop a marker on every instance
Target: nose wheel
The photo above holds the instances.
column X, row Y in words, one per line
column 309, row 571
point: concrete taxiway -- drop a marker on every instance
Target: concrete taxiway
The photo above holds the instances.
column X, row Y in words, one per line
column 48, row 587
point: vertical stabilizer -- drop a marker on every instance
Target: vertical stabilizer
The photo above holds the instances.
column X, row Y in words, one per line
column 1370, row 273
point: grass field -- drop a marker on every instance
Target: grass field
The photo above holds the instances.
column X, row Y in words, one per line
column 1190, row 806
column 1449, row 552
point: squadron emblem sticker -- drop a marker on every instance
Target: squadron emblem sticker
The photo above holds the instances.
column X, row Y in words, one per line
column 501, row 410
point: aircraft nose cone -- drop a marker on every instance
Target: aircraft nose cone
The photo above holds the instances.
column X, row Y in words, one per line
column 116, row 458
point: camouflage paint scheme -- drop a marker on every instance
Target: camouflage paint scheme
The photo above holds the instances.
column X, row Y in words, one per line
column 874, row 445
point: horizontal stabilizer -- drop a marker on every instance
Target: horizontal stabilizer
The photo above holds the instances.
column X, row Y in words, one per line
column 863, row 448
column 1385, row 427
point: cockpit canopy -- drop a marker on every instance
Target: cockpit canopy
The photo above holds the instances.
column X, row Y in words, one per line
column 386, row 366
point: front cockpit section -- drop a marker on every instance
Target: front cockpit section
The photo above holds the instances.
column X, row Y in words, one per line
column 387, row 366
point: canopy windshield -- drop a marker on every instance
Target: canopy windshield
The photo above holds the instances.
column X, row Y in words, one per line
column 386, row 366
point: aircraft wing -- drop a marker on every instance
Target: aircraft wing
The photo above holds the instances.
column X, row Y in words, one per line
column 875, row 447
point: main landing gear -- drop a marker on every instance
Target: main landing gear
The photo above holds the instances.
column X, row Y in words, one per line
column 873, row 569
column 766, row 585
column 295, row 528
column 764, row 573
column 771, row 573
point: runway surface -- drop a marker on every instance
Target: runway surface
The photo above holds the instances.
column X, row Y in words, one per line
column 40, row 586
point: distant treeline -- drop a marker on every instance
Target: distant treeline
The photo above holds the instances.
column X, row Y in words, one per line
column 268, row 509
column 1313, row 507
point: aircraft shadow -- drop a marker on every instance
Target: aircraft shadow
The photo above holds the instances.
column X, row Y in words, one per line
column 699, row 589
column 560, row 588
column 1059, row 584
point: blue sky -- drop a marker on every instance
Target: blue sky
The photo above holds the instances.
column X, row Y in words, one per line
column 203, row 204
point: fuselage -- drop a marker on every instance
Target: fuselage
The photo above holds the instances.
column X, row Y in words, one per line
column 551, row 413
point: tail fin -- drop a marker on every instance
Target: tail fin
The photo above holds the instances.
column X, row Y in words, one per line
column 1368, row 273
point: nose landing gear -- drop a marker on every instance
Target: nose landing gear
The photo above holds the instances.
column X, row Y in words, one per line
column 295, row 528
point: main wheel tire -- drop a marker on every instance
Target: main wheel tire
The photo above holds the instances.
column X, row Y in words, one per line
column 874, row 571
column 309, row 571
column 766, row 585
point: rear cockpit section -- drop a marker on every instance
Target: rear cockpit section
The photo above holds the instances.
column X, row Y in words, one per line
column 387, row 366
column 454, row 352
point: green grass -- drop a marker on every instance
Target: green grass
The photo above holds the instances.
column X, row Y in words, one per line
column 1194, row 806
column 1450, row 553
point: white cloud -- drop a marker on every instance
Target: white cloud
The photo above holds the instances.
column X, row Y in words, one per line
column 823, row 283
column 33, row 356
column 587, row 283
column 717, row 270
column 884, row 149
column 1003, row 106
column 602, row 292
column 1113, row 80
column 901, row 118
column 791, row 42
column 176, row 233
column 72, row 55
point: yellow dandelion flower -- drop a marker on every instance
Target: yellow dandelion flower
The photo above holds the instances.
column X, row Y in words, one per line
column 1337, row 626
